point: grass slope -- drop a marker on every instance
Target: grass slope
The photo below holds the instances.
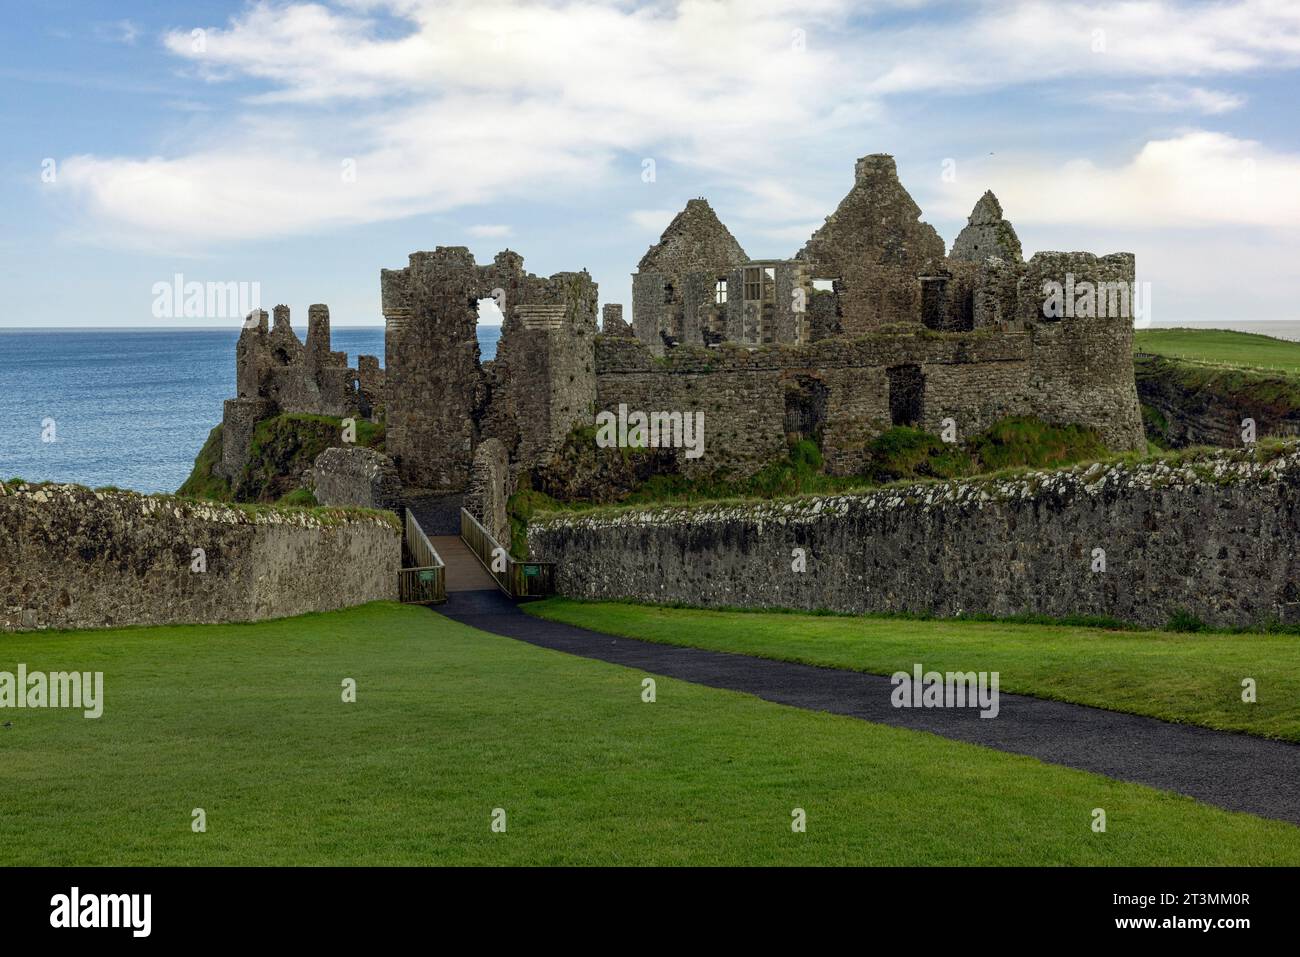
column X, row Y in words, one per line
column 246, row 722
column 282, row 447
column 1193, row 679
column 203, row 481
column 897, row 454
column 1223, row 346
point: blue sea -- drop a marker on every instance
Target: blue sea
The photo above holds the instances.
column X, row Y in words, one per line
column 127, row 407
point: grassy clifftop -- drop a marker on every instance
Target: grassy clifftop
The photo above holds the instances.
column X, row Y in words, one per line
column 1222, row 348
column 1198, row 385
column 283, row 447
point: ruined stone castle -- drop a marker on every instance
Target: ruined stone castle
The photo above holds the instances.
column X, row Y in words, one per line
column 872, row 324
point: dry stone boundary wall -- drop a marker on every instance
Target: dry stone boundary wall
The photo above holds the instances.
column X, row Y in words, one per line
column 75, row 558
column 1213, row 538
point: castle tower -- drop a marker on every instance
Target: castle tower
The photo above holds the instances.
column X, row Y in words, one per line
column 432, row 372
column 551, row 356
column 250, row 352
column 318, row 337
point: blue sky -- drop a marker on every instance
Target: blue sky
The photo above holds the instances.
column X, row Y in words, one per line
column 304, row 146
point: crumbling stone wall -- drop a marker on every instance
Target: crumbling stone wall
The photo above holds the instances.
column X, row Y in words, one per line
column 74, row 558
column 239, row 419
column 1064, row 373
column 547, row 360
column 677, row 277
column 277, row 373
column 1206, row 537
column 987, row 235
column 370, row 387
column 876, row 246
column 441, row 401
column 612, row 322
column 349, row 476
column 491, row 483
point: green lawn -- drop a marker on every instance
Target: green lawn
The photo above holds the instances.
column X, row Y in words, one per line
column 1190, row 678
column 246, row 722
column 1242, row 349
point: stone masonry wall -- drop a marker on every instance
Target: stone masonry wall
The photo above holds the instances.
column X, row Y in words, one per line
column 490, row 488
column 352, row 477
column 441, row 401
column 1211, row 537
column 1065, row 373
column 74, row 558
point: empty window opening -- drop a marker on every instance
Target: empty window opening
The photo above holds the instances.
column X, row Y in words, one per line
column 805, row 409
column 753, row 283
column 934, row 303
column 965, row 318
column 906, row 395
column 489, row 313
column 720, row 292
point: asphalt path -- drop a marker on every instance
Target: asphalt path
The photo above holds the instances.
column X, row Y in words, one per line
column 1237, row 772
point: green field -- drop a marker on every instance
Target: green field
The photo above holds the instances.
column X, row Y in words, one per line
column 1188, row 678
column 247, row 722
column 1244, row 350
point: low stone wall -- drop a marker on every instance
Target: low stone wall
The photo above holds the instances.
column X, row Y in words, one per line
column 354, row 477
column 1213, row 536
column 74, row 558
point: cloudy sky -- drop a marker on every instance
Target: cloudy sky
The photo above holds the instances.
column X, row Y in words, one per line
column 303, row 146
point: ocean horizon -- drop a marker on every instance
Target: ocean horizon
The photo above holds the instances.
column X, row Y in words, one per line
column 128, row 407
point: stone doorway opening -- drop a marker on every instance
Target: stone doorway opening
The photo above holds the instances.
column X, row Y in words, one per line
column 805, row 409
column 906, row 395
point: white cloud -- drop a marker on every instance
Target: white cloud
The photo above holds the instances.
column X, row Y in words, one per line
column 1197, row 179
column 447, row 104
column 1037, row 41
column 120, row 31
column 1171, row 98
column 490, row 231
column 653, row 221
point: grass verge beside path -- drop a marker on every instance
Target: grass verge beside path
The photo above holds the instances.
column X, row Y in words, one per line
column 247, row 722
column 1192, row 679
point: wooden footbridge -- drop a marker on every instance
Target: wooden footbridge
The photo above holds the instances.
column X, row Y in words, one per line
column 471, row 561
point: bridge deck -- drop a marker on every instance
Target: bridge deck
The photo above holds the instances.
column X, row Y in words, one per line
column 464, row 571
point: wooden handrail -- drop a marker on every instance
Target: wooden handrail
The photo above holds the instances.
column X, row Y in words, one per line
column 418, row 544
column 426, row 582
column 518, row 579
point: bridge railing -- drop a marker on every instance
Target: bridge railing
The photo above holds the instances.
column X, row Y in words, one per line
column 518, row 579
column 426, row 582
